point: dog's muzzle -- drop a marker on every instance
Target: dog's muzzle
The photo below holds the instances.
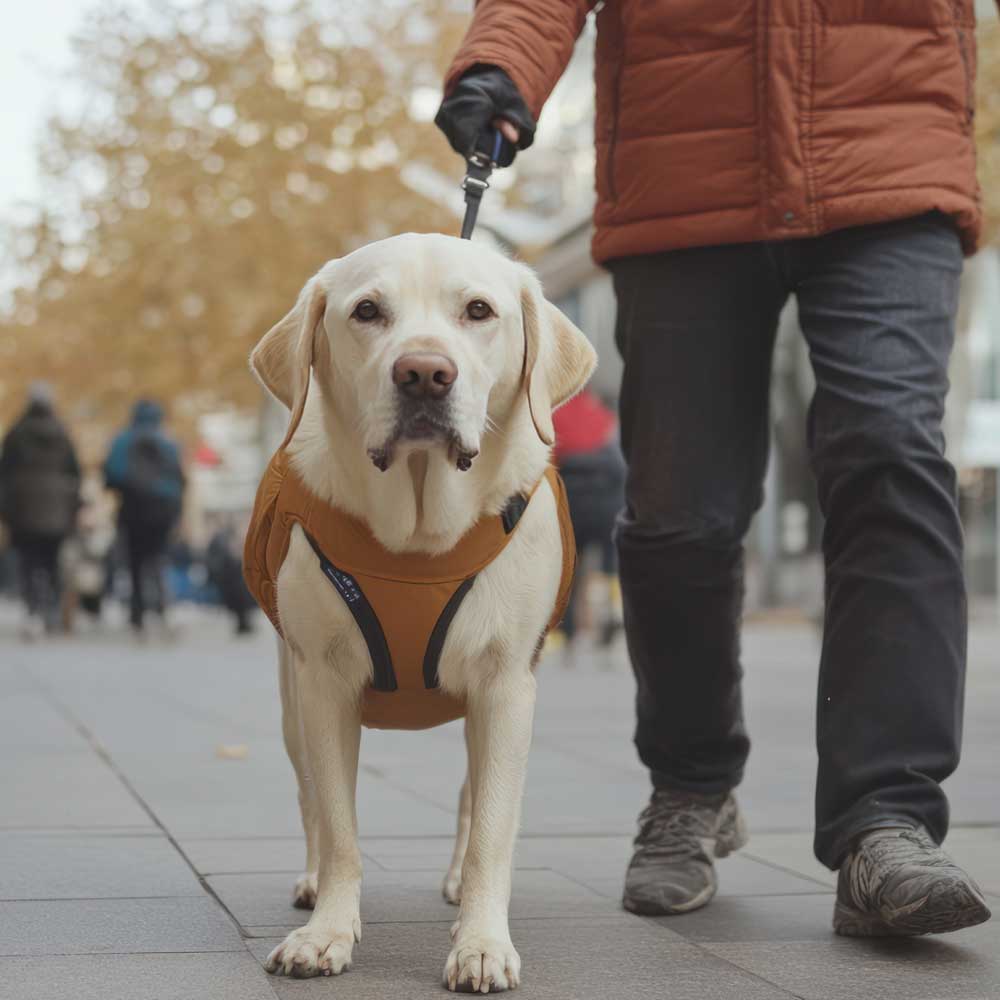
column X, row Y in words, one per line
column 424, row 382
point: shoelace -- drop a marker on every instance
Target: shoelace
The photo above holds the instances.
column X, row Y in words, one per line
column 673, row 825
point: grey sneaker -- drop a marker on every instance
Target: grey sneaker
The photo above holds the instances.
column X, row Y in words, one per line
column 898, row 882
column 680, row 835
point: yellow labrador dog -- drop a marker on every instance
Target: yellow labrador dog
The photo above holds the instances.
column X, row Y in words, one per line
column 421, row 372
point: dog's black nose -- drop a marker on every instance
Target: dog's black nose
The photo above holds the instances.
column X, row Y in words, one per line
column 424, row 376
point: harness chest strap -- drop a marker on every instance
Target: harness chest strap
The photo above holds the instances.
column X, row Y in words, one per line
column 402, row 603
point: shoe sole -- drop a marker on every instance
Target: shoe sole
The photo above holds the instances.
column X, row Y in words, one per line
column 643, row 909
column 963, row 909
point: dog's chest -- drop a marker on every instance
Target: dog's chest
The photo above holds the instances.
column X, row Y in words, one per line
column 499, row 616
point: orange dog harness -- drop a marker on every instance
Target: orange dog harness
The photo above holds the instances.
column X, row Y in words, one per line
column 403, row 603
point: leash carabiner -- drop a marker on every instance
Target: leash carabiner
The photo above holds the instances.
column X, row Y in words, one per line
column 479, row 166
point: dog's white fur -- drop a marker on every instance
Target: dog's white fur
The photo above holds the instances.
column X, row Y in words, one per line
column 514, row 368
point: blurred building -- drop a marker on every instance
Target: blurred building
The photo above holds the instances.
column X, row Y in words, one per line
column 223, row 473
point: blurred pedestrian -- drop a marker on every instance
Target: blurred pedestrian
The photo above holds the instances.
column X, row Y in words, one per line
column 39, row 498
column 746, row 153
column 224, row 561
column 87, row 562
column 144, row 468
column 593, row 469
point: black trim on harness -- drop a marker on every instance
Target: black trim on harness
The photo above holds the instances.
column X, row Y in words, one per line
column 384, row 677
column 436, row 642
column 516, row 506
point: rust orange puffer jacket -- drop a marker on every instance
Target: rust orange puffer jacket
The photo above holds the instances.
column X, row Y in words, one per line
column 725, row 121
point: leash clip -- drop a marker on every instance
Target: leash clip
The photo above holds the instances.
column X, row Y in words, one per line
column 479, row 167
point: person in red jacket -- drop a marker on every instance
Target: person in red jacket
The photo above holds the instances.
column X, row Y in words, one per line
column 747, row 152
column 593, row 470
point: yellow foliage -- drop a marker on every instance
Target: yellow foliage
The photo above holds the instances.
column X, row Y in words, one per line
column 225, row 153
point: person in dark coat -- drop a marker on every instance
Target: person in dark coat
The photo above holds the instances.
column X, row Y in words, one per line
column 144, row 467
column 224, row 561
column 39, row 499
column 593, row 469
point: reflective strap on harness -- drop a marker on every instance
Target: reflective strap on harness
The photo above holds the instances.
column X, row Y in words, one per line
column 383, row 675
column 432, row 655
column 511, row 514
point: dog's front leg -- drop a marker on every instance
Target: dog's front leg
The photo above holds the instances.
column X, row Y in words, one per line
column 304, row 893
column 500, row 712
column 331, row 727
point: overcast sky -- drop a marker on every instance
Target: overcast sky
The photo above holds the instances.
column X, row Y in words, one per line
column 32, row 46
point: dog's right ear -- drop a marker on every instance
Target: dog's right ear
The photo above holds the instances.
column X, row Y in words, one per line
column 283, row 359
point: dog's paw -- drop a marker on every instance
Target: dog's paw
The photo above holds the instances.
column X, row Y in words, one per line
column 307, row 952
column 482, row 965
column 452, row 887
column 304, row 893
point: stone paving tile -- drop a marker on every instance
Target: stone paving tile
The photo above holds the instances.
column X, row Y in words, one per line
column 961, row 966
column 88, row 927
column 29, row 724
column 14, row 678
column 194, row 792
column 790, row 851
column 264, row 900
column 597, row 855
column 40, row 865
column 65, row 789
column 757, row 918
column 257, row 796
column 562, row 959
column 233, row 856
column 212, row 976
column 224, row 856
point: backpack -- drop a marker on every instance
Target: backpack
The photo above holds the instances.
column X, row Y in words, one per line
column 151, row 492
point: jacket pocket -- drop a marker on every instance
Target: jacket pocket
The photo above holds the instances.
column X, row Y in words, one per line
column 609, row 157
column 965, row 35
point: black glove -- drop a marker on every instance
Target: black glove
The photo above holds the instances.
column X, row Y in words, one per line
column 466, row 115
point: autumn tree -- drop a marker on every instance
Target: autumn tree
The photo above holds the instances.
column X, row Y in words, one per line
column 222, row 153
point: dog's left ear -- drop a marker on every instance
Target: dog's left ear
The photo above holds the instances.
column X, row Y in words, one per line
column 283, row 358
column 558, row 358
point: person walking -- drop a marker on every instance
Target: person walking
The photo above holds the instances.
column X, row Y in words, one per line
column 748, row 151
column 144, row 467
column 39, row 499
column 224, row 562
column 590, row 462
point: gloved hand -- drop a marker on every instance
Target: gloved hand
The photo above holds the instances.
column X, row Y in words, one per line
column 466, row 115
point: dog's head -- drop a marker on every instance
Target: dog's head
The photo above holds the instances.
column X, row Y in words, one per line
column 425, row 341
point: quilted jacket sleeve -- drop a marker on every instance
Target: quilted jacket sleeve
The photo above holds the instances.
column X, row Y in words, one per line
column 532, row 40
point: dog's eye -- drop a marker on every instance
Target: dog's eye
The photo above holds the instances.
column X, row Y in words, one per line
column 477, row 309
column 366, row 311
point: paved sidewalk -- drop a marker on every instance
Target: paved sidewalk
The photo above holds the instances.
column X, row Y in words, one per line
column 136, row 863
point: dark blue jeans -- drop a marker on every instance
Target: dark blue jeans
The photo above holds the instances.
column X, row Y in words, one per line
column 696, row 329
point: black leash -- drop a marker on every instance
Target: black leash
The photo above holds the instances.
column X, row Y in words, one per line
column 476, row 181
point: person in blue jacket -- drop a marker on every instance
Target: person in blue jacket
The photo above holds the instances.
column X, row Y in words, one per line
column 144, row 467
